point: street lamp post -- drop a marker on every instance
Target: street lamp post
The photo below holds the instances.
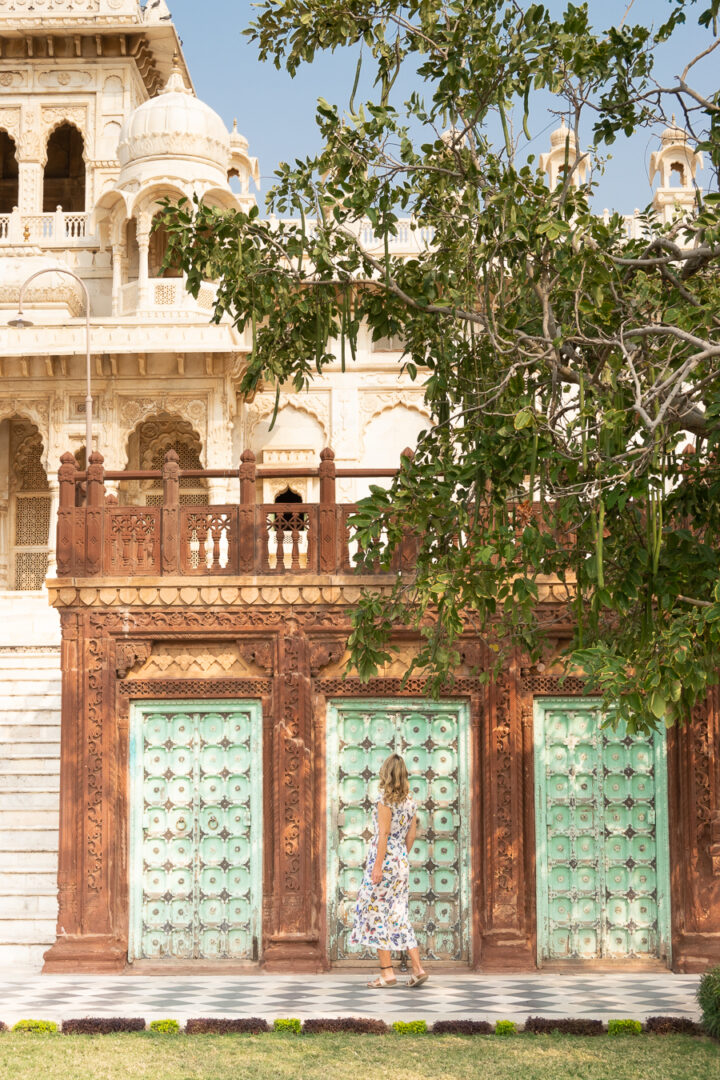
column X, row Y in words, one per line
column 20, row 323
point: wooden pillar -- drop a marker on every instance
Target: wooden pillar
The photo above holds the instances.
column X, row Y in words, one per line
column 170, row 551
column 66, row 516
column 293, row 941
column 94, row 514
column 327, row 515
column 246, row 513
column 86, row 935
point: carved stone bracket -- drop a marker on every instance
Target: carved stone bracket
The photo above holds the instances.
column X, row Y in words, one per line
column 324, row 653
column 257, row 653
column 130, row 653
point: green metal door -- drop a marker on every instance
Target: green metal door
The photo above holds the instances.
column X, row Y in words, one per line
column 195, row 829
column 434, row 740
column 603, row 888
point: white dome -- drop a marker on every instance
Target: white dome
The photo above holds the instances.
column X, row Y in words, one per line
column 561, row 135
column 174, row 133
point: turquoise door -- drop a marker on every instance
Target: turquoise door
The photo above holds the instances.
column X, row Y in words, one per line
column 603, row 888
column 433, row 737
column 195, row 829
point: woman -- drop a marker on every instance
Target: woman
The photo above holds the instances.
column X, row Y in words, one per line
column 381, row 914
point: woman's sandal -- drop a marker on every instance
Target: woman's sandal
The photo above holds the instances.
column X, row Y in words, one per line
column 380, row 983
column 418, row 980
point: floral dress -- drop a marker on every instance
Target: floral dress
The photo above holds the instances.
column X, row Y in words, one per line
column 381, row 914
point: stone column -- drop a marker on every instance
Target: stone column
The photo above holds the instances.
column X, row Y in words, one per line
column 52, row 538
column 143, row 242
column 118, row 263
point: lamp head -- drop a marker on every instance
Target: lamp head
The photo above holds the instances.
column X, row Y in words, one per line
column 20, row 323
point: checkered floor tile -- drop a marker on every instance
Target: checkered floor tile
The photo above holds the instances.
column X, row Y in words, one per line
column 58, row 997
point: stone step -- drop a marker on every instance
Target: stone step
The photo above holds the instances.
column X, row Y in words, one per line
column 27, row 765
column 28, row 667
column 29, row 800
column 21, row 657
column 24, row 688
column 42, row 861
column 27, row 931
column 29, row 733
column 18, row 907
column 12, row 820
column 37, row 713
column 27, row 840
column 30, row 782
column 23, row 883
column 23, row 959
column 16, row 750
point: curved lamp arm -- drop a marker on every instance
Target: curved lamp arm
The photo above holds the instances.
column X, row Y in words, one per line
column 88, row 394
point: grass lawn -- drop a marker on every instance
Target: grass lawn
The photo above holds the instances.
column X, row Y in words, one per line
column 354, row 1057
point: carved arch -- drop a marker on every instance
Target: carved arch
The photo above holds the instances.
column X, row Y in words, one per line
column 315, row 405
column 60, row 117
column 38, row 413
column 373, row 405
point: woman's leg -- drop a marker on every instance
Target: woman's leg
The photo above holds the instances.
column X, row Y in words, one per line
column 414, row 955
column 386, row 966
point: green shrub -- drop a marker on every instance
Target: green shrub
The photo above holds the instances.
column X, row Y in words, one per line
column 288, row 1024
column 165, row 1027
column 708, row 995
column 624, row 1027
column 410, row 1027
column 244, row 1025
column 41, row 1027
column 506, row 1027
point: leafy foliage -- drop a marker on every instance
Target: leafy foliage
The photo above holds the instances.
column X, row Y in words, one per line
column 672, row 1025
column 36, row 1027
column 102, row 1025
column 288, row 1025
column 216, row 1025
column 566, row 365
column 708, row 995
column 165, row 1027
column 410, row 1027
column 357, row 1025
column 624, row 1027
column 543, row 1025
column 505, row 1027
column 462, row 1027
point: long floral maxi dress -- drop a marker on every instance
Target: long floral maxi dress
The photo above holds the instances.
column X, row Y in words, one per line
column 381, row 913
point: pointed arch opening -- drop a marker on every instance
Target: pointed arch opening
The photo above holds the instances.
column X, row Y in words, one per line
column 64, row 176
column 147, row 446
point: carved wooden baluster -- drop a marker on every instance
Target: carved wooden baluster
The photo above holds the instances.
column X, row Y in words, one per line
column 66, row 516
column 170, row 554
column 217, row 527
column 94, row 514
column 296, row 527
column 246, row 517
column 408, row 545
column 327, row 546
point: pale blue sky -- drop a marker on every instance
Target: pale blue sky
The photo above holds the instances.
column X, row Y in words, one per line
column 276, row 113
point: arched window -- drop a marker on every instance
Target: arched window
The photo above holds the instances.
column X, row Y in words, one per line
column 27, row 524
column 64, row 179
column 156, row 255
column 147, row 447
column 8, row 174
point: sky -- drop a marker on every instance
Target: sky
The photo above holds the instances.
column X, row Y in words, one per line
column 276, row 113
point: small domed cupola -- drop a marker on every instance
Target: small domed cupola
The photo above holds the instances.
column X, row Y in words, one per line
column 564, row 149
column 174, row 134
column 676, row 163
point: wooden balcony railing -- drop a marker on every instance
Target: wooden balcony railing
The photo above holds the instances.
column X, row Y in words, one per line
column 96, row 537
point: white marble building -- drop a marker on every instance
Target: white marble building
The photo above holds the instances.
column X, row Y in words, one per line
column 98, row 122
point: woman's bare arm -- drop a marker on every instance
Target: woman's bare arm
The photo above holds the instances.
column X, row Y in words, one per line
column 384, row 823
column 410, row 834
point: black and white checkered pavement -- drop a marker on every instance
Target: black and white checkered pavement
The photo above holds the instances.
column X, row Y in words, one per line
column 489, row 997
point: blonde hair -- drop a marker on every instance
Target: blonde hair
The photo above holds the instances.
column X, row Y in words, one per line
column 394, row 783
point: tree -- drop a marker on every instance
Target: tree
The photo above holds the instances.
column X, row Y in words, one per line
column 567, row 367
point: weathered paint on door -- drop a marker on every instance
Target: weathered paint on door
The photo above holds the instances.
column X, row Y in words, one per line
column 195, row 829
column 603, row 886
column 434, row 740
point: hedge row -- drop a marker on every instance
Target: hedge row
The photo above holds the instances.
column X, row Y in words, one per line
column 538, row 1025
